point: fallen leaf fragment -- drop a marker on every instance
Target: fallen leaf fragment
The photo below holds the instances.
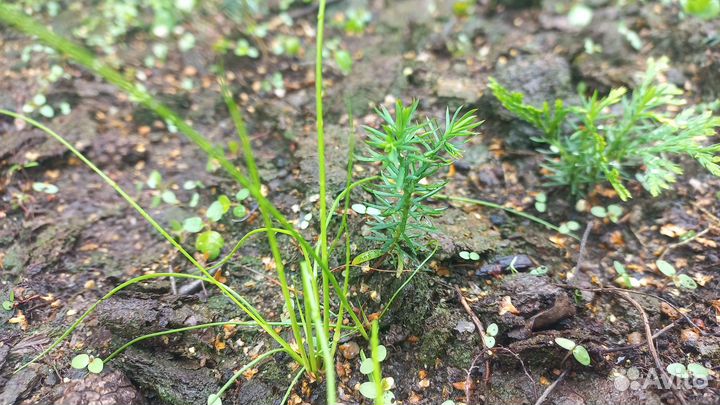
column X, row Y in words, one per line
column 506, row 306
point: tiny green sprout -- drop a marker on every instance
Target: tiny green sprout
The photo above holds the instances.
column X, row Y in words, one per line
column 579, row 352
column 93, row 364
column 242, row 194
column 612, row 212
column 465, row 255
column 512, row 267
column 541, row 202
column 47, row 111
column 239, row 211
column 366, row 363
column 192, row 224
column 569, row 227
column 678, row 370
column 626, row 281
column 680, row 280
column 9, row 303
column 243, row 48
column 462, row 8
column 696, row 370
column 46, row 188
column 580, row 15
column 539, row 271
column 210, row 243
column 489, row 335
column 168, row 197
column 357, row 20
column 377, row 388
column 218, row 208
column 154, row 180
column 344, row 61
column 705, row 9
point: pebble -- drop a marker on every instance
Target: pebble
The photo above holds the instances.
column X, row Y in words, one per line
column 635, row 338
column 349, row 350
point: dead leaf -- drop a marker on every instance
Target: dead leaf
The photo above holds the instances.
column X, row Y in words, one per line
column 19, row 319
column 219, row 344
column 706, row 242
column 559, row 240
column 506, row 306
column 460, row 385
column 88, row 247
column 219, row 277
column 616, row 238
column 666, row 309
column 672, row 230
column 250, row 373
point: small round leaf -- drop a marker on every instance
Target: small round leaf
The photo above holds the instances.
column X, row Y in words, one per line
column 665, row 268
column 368, row 390
column 381, row 353
column 581, row 355
column 599, row 212
column 566, row 344
column 465, row 255
column 242, row 194
column 359, row 208
column 169, row 197
column 366, row 366
column 210, row 243
column 239, row 211
column 46, row 188
column 215, row 211
column 213, row 399
column 96, row 366
column 677, row 369
column 698, row 370
column 685, row 281
column 492, row 329
column 80, row 361
column 489, row 341
column 192, row 224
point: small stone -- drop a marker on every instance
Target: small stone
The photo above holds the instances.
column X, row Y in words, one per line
column 349, row 350
column 635, row 338
column 689, row 336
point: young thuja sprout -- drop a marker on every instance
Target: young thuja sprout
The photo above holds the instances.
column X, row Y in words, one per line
column 411, row 153
column 590, row 143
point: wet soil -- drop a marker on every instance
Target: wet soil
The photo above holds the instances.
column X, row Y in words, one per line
column 61, row 252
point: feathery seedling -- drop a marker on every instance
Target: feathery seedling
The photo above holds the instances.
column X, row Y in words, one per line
column 411, row 153
column 592, row 143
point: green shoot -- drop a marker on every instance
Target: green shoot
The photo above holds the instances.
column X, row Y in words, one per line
column 590, row 143
column 411, row 154
column 579, row 352
column 680, row 280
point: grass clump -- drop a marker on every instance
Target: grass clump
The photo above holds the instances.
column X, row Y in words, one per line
column 620, row 136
